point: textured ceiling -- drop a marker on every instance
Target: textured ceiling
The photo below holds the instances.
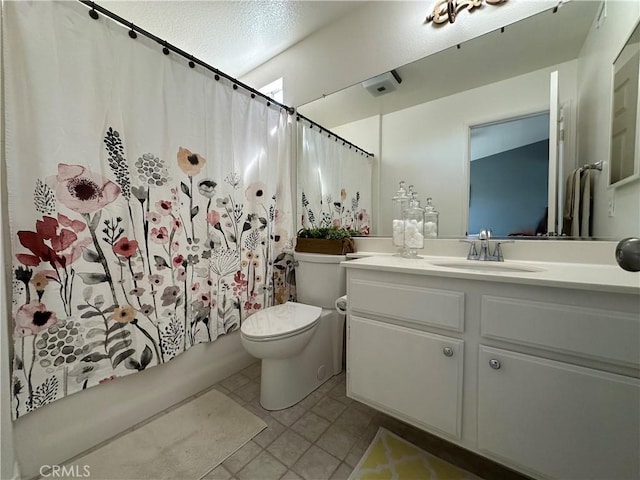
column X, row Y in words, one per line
column 233, row 36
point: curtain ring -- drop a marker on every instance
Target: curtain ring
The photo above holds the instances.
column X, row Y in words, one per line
column 132, row 32
column 92, row 13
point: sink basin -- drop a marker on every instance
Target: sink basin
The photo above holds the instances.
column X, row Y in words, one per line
column 491, row 267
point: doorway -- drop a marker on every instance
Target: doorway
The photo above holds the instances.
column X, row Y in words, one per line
column 509, row 175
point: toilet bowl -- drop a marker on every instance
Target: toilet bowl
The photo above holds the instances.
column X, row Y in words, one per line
column 300, row 344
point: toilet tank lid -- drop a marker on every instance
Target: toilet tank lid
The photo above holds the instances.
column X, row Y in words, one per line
column 318, row 257
column 280, row 320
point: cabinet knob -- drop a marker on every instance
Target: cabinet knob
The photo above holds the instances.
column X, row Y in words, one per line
column 495, row 364
column 448, row 351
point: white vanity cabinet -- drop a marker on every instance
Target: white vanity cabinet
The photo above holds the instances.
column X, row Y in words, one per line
column 559, row 419
column 556, row 417
column 541, row 377
column 413, row 375
column 394, row 364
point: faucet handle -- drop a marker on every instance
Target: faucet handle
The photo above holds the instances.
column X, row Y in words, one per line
column 497, row 252
column 473, row 253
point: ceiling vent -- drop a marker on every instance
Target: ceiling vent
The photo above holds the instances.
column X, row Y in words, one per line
column 382, row 84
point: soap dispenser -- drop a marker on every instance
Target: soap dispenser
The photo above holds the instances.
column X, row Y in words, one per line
column 400, row 204
column 413, row 228
column 430, row 220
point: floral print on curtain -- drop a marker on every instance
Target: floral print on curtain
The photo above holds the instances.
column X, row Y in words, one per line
column 334, row 183
column 98, row 296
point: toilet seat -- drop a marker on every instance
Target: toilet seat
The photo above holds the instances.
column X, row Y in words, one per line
column 280, row 321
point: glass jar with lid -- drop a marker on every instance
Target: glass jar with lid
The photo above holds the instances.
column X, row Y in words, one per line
column 400, row 202
column 413, row 228
column 430, row 220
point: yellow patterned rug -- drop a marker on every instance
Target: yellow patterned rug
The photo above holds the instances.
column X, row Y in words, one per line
column 390, row 457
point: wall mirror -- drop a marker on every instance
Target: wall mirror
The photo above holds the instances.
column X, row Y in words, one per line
column 624, row 113
column 420, row 132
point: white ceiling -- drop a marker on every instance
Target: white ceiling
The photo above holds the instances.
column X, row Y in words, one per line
column 487, row 140
column 232, row 36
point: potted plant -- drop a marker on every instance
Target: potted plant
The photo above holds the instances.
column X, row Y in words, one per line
column 327, row 240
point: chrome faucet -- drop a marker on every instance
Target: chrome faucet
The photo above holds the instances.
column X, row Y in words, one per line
column 485, row 248
column 485, row 254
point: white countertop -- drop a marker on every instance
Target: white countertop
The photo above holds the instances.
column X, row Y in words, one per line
column 603, row 278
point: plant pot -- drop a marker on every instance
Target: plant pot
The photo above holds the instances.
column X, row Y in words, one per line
column 327, row 246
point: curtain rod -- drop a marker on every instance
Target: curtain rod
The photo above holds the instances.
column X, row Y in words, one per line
column 168, row 47
column 331, row 134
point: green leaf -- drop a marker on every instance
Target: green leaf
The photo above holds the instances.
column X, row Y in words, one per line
column 98, row 301
column 90, row 314
column 114, row 327
column 121, row 335
column 132, row 364
column 185, row 189
column 110, row 309
column 92, row 345
column 94, row 331
column 93, row 278
column 160, row 262
column 194, row 211
column 122, row 356
column 119, row 346
column 90, row 256
column 94, row 357
column 146, row 357
column 95, row 221
column 86, row 293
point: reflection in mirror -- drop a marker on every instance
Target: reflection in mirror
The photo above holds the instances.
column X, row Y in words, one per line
column 334, row 182
column 420, row 132
column 509, row 176
column 624, row 136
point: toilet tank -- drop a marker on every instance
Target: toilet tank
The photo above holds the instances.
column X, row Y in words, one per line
column 319, row 278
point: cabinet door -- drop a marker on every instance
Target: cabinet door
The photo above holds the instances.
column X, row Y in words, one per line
column 557, row 419
column 414, row 375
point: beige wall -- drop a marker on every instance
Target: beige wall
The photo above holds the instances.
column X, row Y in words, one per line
column 595, row 80
column 376, row 38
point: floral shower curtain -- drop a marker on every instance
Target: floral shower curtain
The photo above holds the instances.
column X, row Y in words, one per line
column 149, row 203
column 334, row 182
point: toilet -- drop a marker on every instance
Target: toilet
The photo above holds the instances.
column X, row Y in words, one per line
column 300, row 343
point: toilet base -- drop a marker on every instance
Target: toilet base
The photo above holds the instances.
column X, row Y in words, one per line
column 284, row 382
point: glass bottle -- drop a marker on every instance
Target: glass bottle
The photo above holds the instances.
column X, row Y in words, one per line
column 400, row 204
column 430, row 220
column 413, row 228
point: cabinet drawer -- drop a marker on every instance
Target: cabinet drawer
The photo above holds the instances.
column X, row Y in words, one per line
column 588, row 332
column 417, row 305
column 560, row 420
column 414, row 375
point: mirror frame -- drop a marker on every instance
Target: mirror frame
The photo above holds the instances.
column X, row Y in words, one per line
column 635, row 175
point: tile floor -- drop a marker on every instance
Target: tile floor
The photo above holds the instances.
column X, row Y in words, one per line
column 321, row 438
